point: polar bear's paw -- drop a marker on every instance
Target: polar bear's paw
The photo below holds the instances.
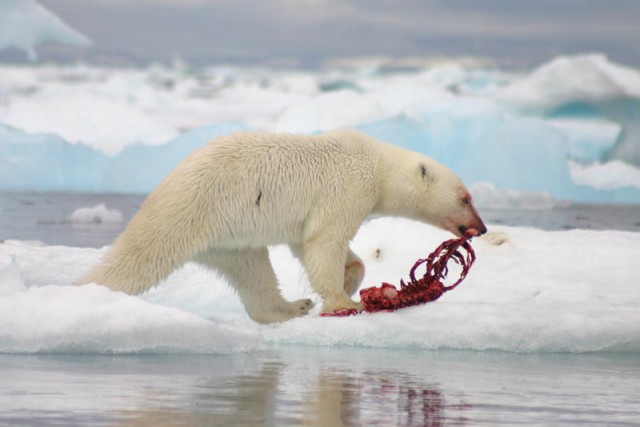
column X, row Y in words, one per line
column 281, row 311
column 332, row 304
column 301, row 306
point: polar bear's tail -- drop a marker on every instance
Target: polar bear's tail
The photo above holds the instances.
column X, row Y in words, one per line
column 152, row 246
column 129, row 269
column 132, row 268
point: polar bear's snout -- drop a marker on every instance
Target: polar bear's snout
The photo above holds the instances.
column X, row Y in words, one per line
column 473, row 225
column 465, row 219
column 476, row 226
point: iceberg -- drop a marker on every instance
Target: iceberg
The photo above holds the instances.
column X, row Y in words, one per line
column 564, row 81
column 96, row 214
column 582, row 86
column 45, row 162
column 108, row 125
column 26, row 23
column 87, row 128
column 48, row 163
column 588, row 140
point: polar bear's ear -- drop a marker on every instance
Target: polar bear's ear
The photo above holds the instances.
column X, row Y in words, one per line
column 426, row 175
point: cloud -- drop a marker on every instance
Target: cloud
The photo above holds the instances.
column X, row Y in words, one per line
column 203, row 30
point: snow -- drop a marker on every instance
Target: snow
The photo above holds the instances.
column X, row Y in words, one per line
column 529, row 291
column 91, row 319
column 25, row 23
column 96, row 214
column 91, row 128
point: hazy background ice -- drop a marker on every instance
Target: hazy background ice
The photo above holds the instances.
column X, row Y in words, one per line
column 564, row 129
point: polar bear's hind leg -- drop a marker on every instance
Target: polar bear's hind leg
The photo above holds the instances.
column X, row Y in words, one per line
column 250, row 272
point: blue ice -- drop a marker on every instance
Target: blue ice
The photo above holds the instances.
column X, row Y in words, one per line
column 25, row 23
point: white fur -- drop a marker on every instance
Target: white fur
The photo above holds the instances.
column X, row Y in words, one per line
column 228, row 201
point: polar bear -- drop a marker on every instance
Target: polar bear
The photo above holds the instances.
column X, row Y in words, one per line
column 226, row 203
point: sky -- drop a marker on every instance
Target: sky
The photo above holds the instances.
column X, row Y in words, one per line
column 311, row 32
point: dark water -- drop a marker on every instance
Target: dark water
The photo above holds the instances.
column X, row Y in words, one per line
column 321, row 387
column 331, row 386
column 43, row 217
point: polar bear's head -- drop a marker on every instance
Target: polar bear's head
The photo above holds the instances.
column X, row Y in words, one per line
column 447, row 202
column 428, row 191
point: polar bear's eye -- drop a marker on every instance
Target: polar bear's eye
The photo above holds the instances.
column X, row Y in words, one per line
column 466, row 201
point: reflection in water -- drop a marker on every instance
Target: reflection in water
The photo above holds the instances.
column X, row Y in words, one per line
column 330, row 386
column 345, row 398
column 284, row 393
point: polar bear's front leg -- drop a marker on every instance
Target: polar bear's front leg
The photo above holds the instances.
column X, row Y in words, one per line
column 250, row 272
column 353, row 269
column 324, row 260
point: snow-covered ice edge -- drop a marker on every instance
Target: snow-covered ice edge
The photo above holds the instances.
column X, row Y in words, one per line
column 529, row 291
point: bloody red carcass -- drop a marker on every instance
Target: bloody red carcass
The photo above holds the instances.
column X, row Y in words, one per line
column 421, row 290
